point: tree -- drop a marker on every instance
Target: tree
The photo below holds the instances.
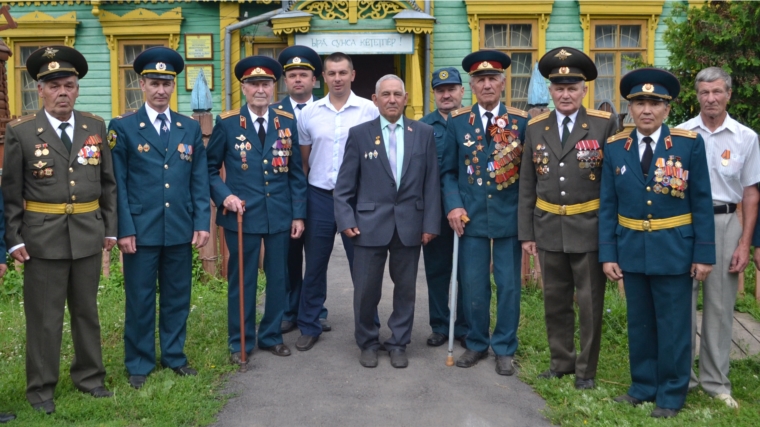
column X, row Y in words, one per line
column 720, row 34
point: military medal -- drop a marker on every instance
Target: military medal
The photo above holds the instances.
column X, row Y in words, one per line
column 726, row 156
column 181, row 149
column 244, row 166
column 139, row 148
column 146, row 148
column 38, row 151
column 45, row 150
column 377, row 140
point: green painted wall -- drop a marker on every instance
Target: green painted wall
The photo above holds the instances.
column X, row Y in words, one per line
column 564, row 26
column 452, row 39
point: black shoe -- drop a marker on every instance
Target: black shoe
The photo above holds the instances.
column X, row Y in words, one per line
column 628, row 399
column 6, row 417
column 436, row 340
column 368, row 358
column 663, row 413
column 504, row 365
column 584, row 384
column 100, row 392
column 549, row 374
column 306, row 342
column 278, row 350
column 398, row 358
column 185, row 371
column 470, row 358
column 236, row 358
column 137, row 381
column 288, row 326
column 325, row 325
column 462, row 341
column 47, row 406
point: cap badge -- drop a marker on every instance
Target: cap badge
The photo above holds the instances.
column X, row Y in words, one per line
column 296, row 60
column 160, row 66
column 484, row 65
column 258, row 70
column 53, row 65
column 50, row 52
column 648, row 88
column 564, row 70
column 443, row 75
column 563, row 54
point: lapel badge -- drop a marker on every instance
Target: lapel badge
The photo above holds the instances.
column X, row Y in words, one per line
column 369, row 155
column 617, row 170
column 142, row 125
column 179, row 125
column 40, row 164
column 84, row 126
column 409, row 128
column 472, row 118
column 146, row 147
column 240, row 138
column 468, row 143
column 628, row 143
column 140, row 148
column 242, row 122
column 377, row 140
column 276, row 122
column 668, row 142
column 477, row 130
column 365, row 154
column 546, row 128
column 622, row 171
column 39, row 130
column 584, row 126
column 375, row 153
column 467, row 136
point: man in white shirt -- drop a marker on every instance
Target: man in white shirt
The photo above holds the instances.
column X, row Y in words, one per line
column 323, row 129
column 733, row 157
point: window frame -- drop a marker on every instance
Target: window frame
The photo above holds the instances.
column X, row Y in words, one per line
column 18, row 99
column 123, row 68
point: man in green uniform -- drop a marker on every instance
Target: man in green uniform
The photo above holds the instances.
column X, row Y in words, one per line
column 558, row 221
column 60, row 213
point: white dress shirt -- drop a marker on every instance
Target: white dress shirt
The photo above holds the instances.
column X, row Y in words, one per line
column 297, row 110
column 561, row 118
column 484, row 119
column 153, row 117
column 326, row 130
column 642, row 145
column 743, row 168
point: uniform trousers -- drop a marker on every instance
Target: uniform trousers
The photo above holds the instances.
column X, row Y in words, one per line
column 295, row 281
column 474, row 263
column 719, row 297
column 439, row 255
column 318, row 245
column 172, row 266
column 50, row 284
column 368, row 287
column 566, row 274
column 659, row 323
column 276, row 271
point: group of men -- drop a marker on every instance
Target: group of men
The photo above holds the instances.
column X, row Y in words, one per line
column 590, row 203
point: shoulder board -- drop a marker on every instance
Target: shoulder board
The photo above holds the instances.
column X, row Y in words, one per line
column 125, row 115
column 461, row 111
column 599, row 113
column 92, row 116
column 230, row 113
column 22, row 119
column 284, row 114
column 539, row 118
column 517, row 112
column 683, row 132
column 618, row 136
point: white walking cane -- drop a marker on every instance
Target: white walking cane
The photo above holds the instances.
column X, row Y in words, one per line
column 453, row 295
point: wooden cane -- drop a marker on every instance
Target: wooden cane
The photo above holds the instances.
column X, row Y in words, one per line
column 241, row 281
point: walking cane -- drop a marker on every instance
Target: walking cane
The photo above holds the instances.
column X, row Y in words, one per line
column 241, row 270
column 453, row 295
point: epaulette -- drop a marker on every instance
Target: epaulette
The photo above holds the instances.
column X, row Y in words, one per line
column 618, row 136
column 284, row 114
column 230, row 113
column 22, row 119
column 683, row 132
column 127, row 114
column 517, row 112
column 92, row 116
column 599, row 113
column 539, row 118
column 461, row 111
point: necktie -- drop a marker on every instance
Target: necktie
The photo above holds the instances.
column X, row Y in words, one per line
column 262, row 132
column 164, row 132
column 64, row 136
column 392, row 149
column 565, row 130
column 300, row 106
column 646, row 159
column 488, row 115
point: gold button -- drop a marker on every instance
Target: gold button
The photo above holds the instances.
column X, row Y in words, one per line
column 488, row 182
column 73, row 197
column 73, row 183
column 267, row 194
column 649, row 216
column 167, row 204
column 649, row 188
column 166, row 185
column 166, row 166
column 649, row 202
column 266, row 183
column 265, row 161
column 489, row 196
column 71, row 170
column 266, row 173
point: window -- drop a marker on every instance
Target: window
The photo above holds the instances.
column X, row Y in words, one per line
column 26, row 89
column 518, row 40
column 614, row 46
column 129, row 81
column 273, row 51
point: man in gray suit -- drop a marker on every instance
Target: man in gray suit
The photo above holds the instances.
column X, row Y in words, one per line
column 557, row 214
column 387, row 200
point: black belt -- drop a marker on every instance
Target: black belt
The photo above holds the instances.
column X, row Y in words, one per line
column 724, row 209
column 321, row 190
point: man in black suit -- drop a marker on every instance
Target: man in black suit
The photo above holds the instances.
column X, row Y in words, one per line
column 387, row 199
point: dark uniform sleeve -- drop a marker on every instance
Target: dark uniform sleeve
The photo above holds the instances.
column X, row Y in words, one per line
column 13, row 187
column 108, row 196
column 700, row 200
column 199, row 187
column 296, row 178
column 608, row 212
column 216, row 153
column 527, row 200
column 121, row 172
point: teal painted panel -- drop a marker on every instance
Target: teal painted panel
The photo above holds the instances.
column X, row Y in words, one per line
column 564, row 26
column 452, row 39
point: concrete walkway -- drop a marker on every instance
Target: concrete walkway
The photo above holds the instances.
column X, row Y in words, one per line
column 327, row 386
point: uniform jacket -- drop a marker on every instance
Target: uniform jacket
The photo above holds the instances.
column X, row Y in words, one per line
column 626, row 192
column 438, row 123
column 565, row 182
column 163, row 198
column 57, row 236
column 365, row 191
column 492, row 213
column 272, row 198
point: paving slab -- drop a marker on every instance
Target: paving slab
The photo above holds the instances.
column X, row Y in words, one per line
column 326, row 386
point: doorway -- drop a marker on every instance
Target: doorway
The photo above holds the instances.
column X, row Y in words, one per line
column 369, row 69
